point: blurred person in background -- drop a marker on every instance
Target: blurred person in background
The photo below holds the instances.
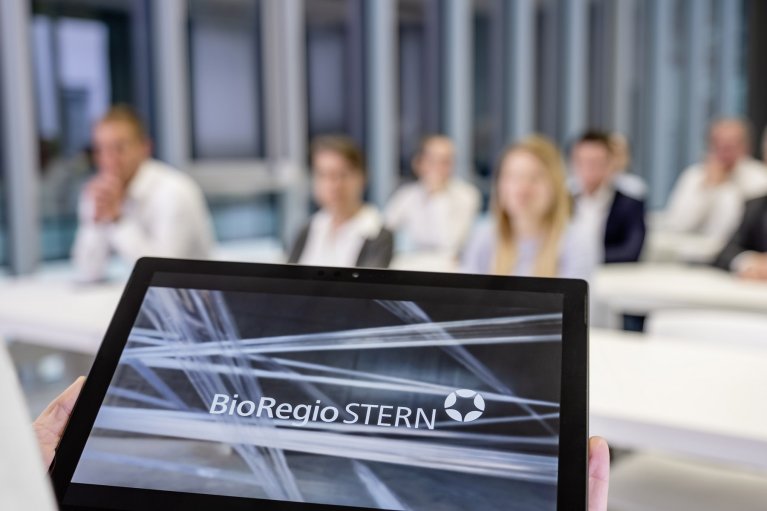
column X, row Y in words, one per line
column 436, row 212
column 136, row 206
column 603, row 214
column 709, row 197
column 625, row 181
column 530, row 234
column 745, row 254
column 345, row 231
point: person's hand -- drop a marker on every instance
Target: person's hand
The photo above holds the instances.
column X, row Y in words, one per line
column 716, row 172
column 753, row 267
column 49, row 426
column 599, row 473
column 106, row 191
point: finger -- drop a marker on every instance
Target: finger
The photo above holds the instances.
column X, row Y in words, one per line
column 112, row 182
column 599, row 474
column 49, row 426
column 95, row 189
column 749, row 274
column 599, row 459
column 66, row 400
column 100, row 193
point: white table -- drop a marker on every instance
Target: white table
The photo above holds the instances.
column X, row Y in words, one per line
column 642, row 288
column 703, row 400
column 51, row 309
column 57, row 313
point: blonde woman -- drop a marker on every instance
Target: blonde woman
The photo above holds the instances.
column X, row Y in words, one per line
column 530, row 232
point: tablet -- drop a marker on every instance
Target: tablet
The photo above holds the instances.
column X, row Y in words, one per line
column 245, row 386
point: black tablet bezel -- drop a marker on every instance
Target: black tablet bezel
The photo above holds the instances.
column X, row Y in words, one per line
column 573, row 443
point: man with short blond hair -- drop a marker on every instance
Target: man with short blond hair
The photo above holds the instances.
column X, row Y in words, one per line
column 136, row 206
column 436, row 212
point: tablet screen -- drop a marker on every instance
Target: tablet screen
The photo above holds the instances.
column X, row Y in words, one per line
column 411, row 399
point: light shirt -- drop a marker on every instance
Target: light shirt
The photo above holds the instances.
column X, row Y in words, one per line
column 23, row 483
column 163, row 215
column 590, row 218
column 576, row 259
column 433, row 221
column 715, row 211
column 340, row 246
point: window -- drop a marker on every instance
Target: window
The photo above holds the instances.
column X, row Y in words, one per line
column 335, row 68
column 420, row 71
column 599, row 57
column 548, row 69
column 226, row 80
column 489, row 101
column 227, row 112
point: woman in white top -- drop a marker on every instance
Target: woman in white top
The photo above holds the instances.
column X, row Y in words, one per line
column 345, row 231
column 435, row 213
column 530, row 233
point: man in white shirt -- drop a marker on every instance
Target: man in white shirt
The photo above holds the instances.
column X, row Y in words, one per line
column 709, row 197
column 435, row 213
column 136, row 206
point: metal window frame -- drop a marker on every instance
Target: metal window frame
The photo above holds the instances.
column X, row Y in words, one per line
column 659, row 126
column 574, row 86
column 459, row 92
column 285, row 126
column 696, row 86
column 20, row 133
column 520, row 53
column 169, row 24
column 729, row 101
column 382, row 107
column 623, row 65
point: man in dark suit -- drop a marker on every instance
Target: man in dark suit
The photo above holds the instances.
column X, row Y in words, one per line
column 746, row 252
column 604, row 215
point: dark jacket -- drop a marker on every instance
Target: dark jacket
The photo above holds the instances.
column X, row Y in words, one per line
column 624, row 230
column 750, row 236
column 375, row 253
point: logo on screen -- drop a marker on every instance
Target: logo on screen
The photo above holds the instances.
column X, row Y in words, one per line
column 464, row 405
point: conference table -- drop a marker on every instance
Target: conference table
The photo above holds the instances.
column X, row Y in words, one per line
column 699, row 399
column 50, row 308
column 705, row 400
column 642, row 288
